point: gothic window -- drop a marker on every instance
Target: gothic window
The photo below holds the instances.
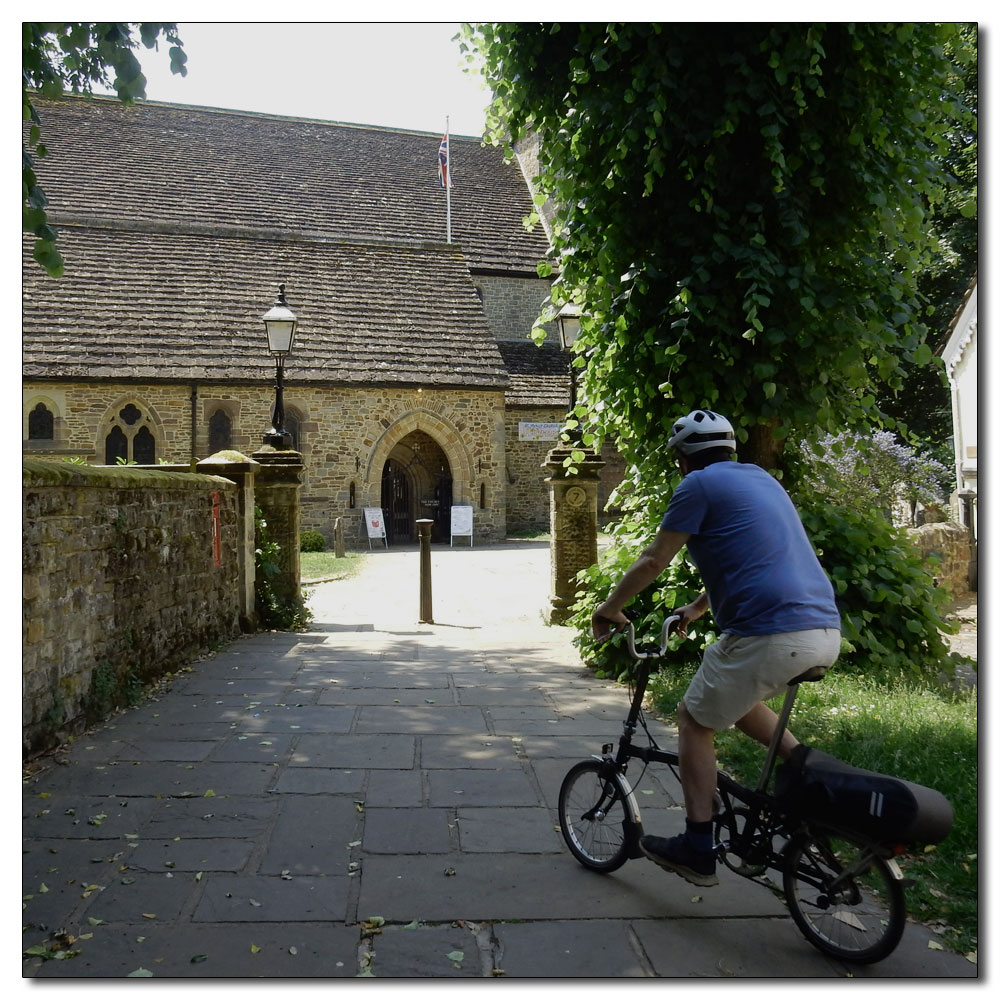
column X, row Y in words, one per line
column 115, row 446
column 144, row 447
column 220, row 431
column 130, row 436
column 41, row 424
column 131, row 414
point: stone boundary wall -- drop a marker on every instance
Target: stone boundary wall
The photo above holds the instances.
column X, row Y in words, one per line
column 126, row 574
column 949, row 544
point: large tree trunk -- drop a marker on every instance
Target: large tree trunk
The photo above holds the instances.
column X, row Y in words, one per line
column 762, row 448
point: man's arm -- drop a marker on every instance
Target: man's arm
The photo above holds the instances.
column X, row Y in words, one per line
column 652, row 561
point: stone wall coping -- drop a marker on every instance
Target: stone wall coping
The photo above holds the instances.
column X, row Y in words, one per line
column 39, row 472
column 234, row 460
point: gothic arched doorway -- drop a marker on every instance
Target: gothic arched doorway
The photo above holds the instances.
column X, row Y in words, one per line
column 416, row 483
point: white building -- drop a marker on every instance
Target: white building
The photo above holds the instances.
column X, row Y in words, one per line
column 960, row 356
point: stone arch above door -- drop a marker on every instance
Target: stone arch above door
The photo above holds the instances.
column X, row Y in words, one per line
column 446, row 436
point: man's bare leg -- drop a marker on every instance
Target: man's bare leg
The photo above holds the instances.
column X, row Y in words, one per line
column 759, row 724
column 692, row 853
column 696, row 749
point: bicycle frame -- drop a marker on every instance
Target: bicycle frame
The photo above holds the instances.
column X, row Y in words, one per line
column 843, row 888
column 764, row 817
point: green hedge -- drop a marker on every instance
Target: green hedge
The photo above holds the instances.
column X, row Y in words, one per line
column 311, row 541
column 891, row 609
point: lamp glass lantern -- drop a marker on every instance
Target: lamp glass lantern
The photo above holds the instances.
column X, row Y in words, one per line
column 568, row 319
column 280, row 325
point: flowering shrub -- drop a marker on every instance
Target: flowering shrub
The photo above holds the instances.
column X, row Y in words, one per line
column 874, row 472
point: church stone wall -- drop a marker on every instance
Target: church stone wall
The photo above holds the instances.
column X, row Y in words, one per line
column 528, row 496
column 512, row 305
column 345, row 435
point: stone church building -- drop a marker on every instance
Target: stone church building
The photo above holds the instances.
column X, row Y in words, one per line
column 412, row 386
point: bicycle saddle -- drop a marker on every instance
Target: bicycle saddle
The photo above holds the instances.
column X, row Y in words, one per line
column 812, row 674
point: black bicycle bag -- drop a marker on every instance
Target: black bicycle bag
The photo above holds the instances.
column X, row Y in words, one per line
column 817, row 786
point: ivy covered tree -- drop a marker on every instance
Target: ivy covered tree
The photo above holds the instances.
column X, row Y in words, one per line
column 743, row 212
column 923, row 402
column 60, row 55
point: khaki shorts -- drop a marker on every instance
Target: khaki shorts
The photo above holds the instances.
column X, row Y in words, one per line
column 739, row 671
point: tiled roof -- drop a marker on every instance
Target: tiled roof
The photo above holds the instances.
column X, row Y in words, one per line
column 538, row 375
column 178, row 165
column 144, row 305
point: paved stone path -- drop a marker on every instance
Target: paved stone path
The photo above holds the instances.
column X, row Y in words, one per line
column 378, row 797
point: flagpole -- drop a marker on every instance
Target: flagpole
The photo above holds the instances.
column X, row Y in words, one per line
column 447, row 186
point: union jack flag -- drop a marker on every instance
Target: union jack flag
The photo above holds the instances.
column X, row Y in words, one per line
column 444, row 173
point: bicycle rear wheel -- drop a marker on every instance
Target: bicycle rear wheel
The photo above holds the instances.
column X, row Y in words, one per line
column 592, row 813
column 844, row 898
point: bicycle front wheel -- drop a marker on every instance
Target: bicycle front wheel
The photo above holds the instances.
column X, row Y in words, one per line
column 592, row 813
column 844, row 898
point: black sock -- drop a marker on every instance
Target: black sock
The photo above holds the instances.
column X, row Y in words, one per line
column 700, row 835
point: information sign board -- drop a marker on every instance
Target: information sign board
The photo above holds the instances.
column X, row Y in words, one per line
column 375, row 523
column 461, row 522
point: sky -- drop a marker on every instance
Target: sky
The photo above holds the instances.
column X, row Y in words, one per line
column 404, row 75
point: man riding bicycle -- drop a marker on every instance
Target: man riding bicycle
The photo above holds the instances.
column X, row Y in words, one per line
column 770, row 599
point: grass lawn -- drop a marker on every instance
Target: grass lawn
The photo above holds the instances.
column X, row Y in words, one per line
column 902, row 727
column 326, row 566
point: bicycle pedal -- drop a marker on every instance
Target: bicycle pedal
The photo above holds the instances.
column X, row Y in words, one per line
column 749, row 870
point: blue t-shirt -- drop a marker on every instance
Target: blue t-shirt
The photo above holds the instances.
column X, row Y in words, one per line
column 761, row 574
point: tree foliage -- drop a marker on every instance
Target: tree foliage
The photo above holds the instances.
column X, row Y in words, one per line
column 742, row 210
column 59, row 55
column 923, row 402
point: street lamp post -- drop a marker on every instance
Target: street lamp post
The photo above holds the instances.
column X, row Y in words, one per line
column 575, row 479
column 568, row 319
column 280, row 324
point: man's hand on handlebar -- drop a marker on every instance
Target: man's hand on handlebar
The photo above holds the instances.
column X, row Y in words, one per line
column 606, row 623
column 687, row 614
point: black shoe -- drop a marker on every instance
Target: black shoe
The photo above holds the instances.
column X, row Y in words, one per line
column 677, row 855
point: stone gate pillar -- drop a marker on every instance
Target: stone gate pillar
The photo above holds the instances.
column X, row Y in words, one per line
column 276, row 492
column 573, row 524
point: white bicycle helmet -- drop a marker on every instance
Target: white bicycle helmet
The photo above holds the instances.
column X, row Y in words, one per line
column 702, row 429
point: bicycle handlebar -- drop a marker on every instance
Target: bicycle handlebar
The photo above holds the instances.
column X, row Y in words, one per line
column 651, row 652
